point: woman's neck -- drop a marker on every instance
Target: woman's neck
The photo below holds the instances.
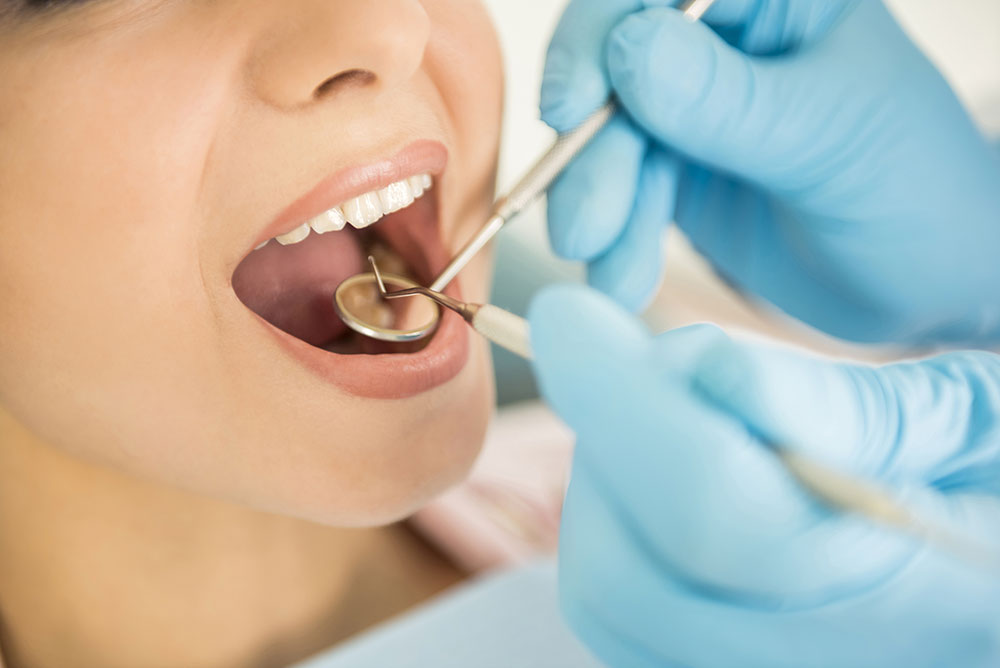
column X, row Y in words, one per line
column 99, row 568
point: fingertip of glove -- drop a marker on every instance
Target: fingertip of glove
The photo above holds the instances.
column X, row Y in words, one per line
column 565, row 304
column 679, row 351
column 573, row 231
column 724, row 372
column 582, row 343
column 630, row 38
column 570, row 91
column 658, row 58
column 756, row 383
column 586, row 214
column 546, row 314
column 632, row 289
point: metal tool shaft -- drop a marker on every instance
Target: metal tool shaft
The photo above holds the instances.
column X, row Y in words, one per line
column 528, row 189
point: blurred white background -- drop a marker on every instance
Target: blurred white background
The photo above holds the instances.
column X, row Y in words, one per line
column 962, row 37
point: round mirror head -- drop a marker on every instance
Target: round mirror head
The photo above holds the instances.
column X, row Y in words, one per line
column 361, row 306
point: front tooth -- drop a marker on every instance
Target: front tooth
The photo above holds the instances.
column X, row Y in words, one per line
column 395, row 197
column 295, row 236
column 416, row 185
column 427, row 180
column 363, row 211
column 328, row 221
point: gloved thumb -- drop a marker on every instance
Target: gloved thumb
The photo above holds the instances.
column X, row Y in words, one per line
column 915, row 421
column 692, row 91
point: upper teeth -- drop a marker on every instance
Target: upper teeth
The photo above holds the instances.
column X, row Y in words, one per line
column 361, row 211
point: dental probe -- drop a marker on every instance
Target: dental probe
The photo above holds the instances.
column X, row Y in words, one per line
column 532, row 185
column 839, row 491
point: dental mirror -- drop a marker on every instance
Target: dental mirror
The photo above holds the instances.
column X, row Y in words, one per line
column 360, row 305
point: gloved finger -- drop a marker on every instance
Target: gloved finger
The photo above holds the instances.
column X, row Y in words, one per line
column 661, row 451
column 575, row 81
column 916, row 426
column 631, row 271
column 590, row 202
column 718, row 505
column 585, row 346
column 633, row 609
column 932, row 420
column 771, row 27
column 690, row 90
column 755, row 243
column 570, row 324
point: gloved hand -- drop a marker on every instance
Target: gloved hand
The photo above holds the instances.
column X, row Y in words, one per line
column 686, row 543
column 806, row 147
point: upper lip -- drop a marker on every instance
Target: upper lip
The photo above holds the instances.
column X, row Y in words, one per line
column 424, row 156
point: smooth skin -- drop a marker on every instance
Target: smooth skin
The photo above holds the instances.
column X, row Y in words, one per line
column 807, row 148
column 162, row 460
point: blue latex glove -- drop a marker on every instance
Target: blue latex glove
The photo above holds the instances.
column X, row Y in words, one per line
column 806, row 147
column 685, row 542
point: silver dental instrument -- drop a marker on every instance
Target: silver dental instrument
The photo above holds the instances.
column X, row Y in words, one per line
column 839, row 491
column 499, row 326
column 536, row 181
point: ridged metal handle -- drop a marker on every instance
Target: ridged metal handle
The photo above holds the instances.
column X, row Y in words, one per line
column 540, row 177
column 528, row 189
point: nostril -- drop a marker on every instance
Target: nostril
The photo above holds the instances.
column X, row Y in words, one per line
column 347, row 79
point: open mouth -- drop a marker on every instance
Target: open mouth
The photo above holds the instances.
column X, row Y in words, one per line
column 290, row 278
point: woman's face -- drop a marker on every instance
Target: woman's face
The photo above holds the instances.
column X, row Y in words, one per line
column 148, row 146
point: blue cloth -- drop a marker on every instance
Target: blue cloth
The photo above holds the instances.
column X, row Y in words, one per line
column 508, row 620
column 684, row 540
column 806, row 147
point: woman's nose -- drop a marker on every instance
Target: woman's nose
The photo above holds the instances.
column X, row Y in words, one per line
column 314, row 49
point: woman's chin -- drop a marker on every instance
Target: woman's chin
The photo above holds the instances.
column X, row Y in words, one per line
column 401, row 454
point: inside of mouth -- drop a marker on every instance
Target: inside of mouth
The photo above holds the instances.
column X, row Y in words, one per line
column 292, row 287
column 397, row 319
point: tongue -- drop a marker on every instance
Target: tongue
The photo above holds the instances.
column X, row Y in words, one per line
column 292, row 286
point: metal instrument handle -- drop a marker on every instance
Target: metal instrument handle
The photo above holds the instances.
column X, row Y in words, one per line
column 531, row 186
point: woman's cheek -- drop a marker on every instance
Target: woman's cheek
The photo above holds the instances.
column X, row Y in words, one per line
column 465, row 63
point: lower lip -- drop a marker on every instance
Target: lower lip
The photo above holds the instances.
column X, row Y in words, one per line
column 389, row 376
